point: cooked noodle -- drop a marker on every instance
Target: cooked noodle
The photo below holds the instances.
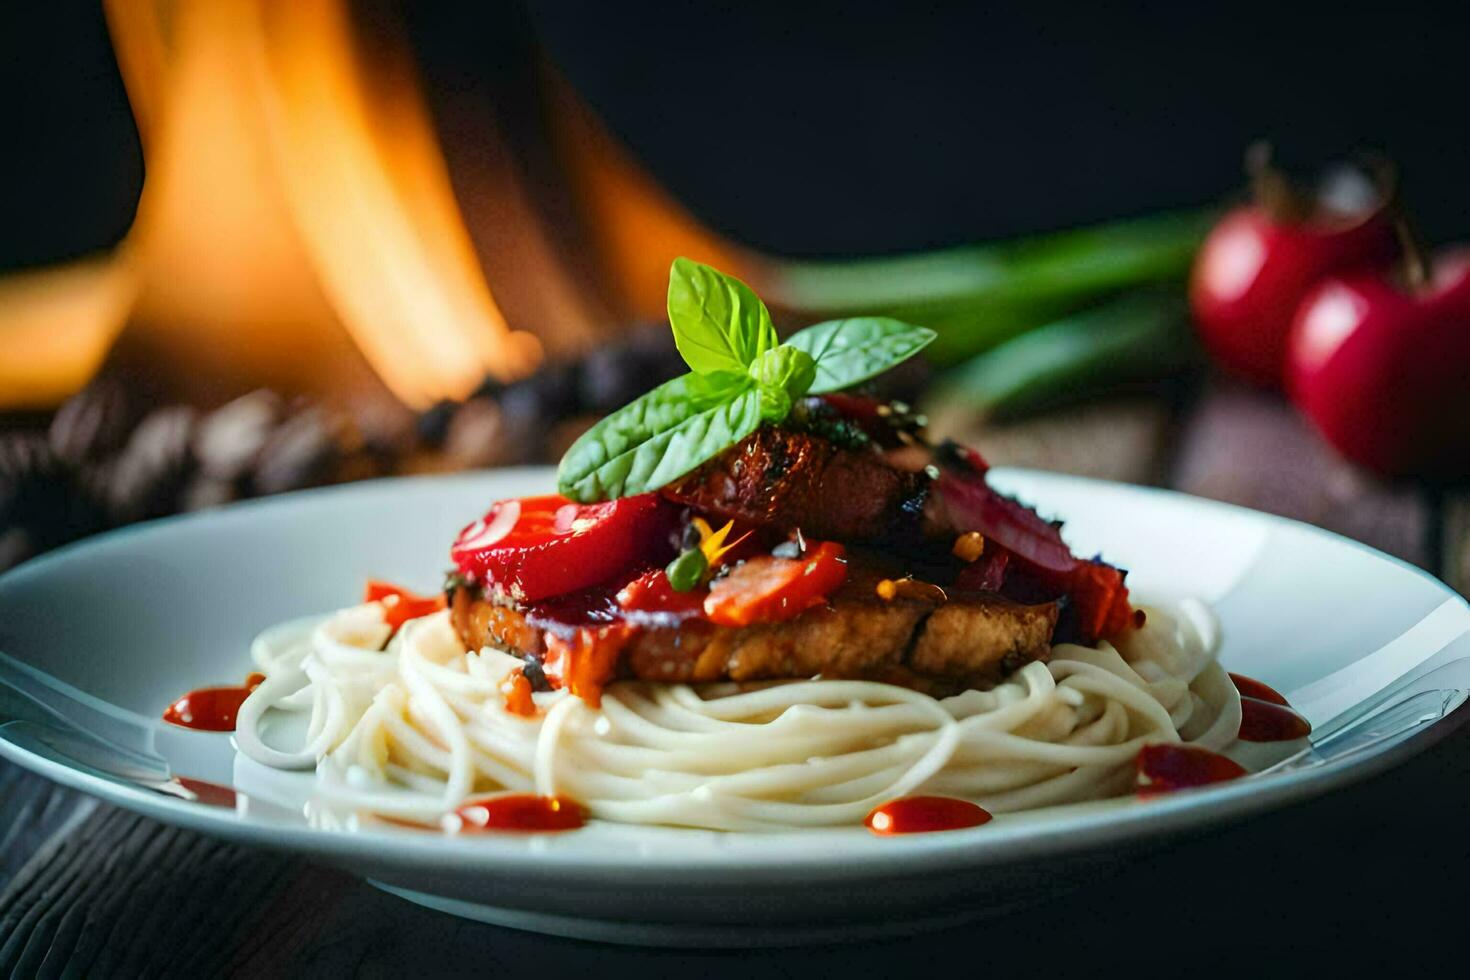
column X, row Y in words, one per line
column 412, row 730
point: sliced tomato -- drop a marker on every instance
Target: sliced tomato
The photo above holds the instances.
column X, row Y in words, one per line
column 1100, row 598
column 399, row 604
column 769, row 589
column 537, row 547
column 652, row 593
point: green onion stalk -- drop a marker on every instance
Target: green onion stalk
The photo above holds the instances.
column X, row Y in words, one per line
column 976, row 297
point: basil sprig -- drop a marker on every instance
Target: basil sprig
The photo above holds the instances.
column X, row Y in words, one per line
column 740, row 376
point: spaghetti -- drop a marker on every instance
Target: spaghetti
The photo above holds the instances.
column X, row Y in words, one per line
column 412, row 726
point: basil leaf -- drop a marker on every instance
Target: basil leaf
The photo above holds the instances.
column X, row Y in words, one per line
column 719, row 323
column 782, row 376
column 856, row 349
column 785, row 367
column 660, row 437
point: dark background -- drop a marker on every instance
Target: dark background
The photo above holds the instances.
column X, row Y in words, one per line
column 850, row 128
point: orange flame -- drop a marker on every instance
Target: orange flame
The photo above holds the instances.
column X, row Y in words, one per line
column 297, row 224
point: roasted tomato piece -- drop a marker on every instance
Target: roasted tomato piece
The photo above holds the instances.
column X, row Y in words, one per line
column 652, row 593
column 769, row 589
column 1100, row 598
column 537, row 547
column 399, row 604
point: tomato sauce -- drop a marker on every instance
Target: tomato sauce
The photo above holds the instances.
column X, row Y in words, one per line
column 1165, row 768
column 924, row 814
column 1249, row 687
column 211, row 709
column 1266, row 716
column 522, row 813
column 207, row 793
column 399, row 604
column 1261, row 721
column 517, row 692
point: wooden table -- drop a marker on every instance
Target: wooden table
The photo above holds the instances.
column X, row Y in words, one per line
column 87, row 889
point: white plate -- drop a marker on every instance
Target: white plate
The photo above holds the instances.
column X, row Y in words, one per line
column 96, row 639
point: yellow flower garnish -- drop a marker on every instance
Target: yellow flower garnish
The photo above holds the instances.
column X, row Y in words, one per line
column 712, row 542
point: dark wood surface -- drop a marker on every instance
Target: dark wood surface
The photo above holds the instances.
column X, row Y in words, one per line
column 1358, row 877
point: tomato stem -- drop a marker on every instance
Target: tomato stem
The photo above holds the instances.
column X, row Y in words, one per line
column 1417, row 268
column 1272, row 191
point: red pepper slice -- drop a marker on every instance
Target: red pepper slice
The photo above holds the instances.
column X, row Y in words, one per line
column 770, row 589
column 538, row 547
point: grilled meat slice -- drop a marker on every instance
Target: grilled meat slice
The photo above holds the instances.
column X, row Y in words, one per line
column 973, row 639
column 783, row 478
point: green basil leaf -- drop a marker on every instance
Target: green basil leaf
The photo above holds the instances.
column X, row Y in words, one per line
column 782, row 375
column 719, row 323
column 856, row 349
column 660, row 436
column 785, row 367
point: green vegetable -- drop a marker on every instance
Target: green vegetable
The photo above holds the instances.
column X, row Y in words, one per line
column 686, row 571
column 1132, row 338
column 849, row 351
column 741, row 377
column 719, row 324
column 978, row 296
column 782, row 375
column 660, row 437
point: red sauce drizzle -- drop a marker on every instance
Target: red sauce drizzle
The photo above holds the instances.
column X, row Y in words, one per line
column 399, row 604
column 1251, row 688
column 517, row 693
column 211, row 709
column 522, row 812
column 924, row 814
column 1165, row 768
column 1261, row 721
column 207, row 793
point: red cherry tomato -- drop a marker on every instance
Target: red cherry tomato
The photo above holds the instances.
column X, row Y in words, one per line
column 399, row 604
column 1383, row 372
column 1252, row 273
column 538, row 547
column 769, row 589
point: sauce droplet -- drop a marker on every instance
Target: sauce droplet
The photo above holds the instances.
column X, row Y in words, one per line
column 925, row 814
column 1249, row 687
column 1164, row 768
column 207, row 793
column 211, row 709
column 1261, row 721
column 522, row 812
column 516, row 690
column 399, row 604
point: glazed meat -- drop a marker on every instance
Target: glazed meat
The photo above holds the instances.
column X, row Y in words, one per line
column 782, row 478
column 923, row 639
